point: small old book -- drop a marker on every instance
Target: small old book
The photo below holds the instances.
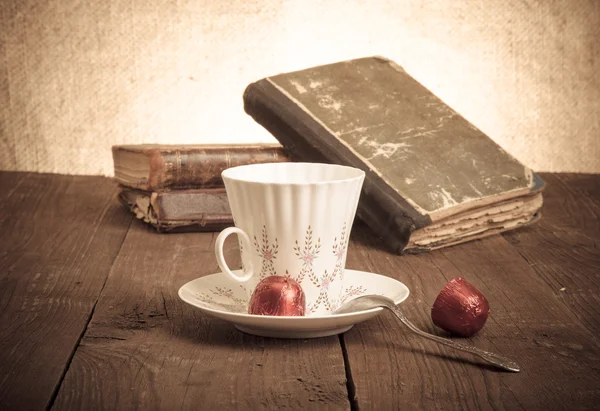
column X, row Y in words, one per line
column 180, row 210
column 155, row 167
column 432, row 178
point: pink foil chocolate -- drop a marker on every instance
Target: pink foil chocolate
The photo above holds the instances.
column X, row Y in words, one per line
column 460, row 308
column 277, row 295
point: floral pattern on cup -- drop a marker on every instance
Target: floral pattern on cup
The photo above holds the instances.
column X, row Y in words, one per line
column 268, row 253
column 307, row 252
column 334, row 303
column 339, row 246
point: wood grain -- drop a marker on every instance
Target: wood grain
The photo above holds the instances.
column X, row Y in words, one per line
column 146, row 349
column 563, row 249
column 392, row 368
column 60, row 235
column 9, row 181
column 69, row 253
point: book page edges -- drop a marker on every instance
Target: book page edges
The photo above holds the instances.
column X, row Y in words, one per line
column 444, row 213
column 476, row 236
column 526, row 206
column 478, row 224
column 131, row 168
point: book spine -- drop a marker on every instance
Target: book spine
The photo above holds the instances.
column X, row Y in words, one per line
column 180, row 211
column 208, row 224
column 392, row 218
column 185, row 205
column 202, row 168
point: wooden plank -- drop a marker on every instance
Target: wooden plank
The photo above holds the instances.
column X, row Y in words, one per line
column 145, row 348
column 9, row 181
column 59, row 238
column 564, row 247
column 392, row 368
column 586, row 184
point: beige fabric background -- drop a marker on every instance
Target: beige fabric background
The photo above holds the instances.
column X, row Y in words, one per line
column 79, row 76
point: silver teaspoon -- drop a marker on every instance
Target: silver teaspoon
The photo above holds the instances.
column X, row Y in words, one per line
column 367, row 302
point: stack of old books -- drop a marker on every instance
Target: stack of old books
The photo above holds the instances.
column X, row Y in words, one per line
column 179, row 188
column 433, row 179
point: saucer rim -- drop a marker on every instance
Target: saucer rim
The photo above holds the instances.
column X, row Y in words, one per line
column 298, row 318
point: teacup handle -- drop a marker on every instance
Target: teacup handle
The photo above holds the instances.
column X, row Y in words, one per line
column 248, row 268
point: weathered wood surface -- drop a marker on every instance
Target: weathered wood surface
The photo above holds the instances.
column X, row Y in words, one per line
column 146, row 349
column 563, row 248
column 553, row 336
column 90, row 318
column 59, row 236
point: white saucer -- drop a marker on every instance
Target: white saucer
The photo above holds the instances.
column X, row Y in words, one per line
column 224, row 298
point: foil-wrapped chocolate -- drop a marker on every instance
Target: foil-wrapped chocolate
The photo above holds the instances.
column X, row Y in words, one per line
column 460, row 308
column 277, row 295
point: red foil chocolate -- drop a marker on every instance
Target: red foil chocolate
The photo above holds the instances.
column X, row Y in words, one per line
column 277, row 295
column 460, row 308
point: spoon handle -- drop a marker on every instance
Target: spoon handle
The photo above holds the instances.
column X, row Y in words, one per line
column 492, row 358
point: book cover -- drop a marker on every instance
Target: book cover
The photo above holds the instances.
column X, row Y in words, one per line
column 155, row 167
column 424, row 162
column 180, row 210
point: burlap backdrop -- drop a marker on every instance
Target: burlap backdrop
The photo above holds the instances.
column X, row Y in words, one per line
column 77, row 77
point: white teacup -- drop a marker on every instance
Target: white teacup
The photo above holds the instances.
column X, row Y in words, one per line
column 293, row 219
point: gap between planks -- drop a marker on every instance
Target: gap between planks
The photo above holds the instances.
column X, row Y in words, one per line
column 350, row 385
column 89, row 318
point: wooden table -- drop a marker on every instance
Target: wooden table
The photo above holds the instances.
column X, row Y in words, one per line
column 90, row 317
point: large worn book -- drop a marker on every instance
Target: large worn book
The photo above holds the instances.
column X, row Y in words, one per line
column 432, row 178
column 154, row 167
column 180, row 210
